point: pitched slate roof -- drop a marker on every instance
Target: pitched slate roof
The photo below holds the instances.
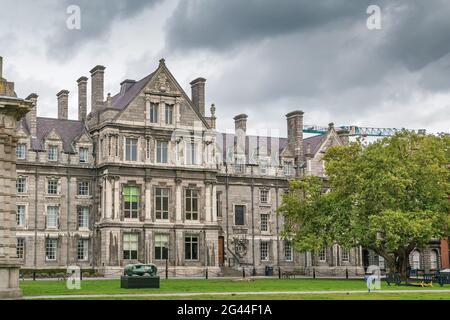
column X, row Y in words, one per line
column 226, row 142
column 68, row 130
column 122, row 99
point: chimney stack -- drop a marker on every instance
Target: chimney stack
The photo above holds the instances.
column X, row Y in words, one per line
column 198, row 94
column 240, row 129
column 82, row 98
column 63, row 104
column 97, row 87
column 295, row 133
column 31, row 115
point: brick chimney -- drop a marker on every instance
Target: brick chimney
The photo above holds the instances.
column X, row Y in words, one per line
column 31, row 115
column 63, row 104
column 82, row 98
column 97, row 89
column 240, row 129
column 295, row 134
column 198, row 94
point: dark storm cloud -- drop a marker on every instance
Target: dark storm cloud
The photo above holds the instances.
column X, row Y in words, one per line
column 97, row 18
column 221, row 25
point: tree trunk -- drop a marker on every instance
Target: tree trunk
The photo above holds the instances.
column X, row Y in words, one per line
column 401, row 266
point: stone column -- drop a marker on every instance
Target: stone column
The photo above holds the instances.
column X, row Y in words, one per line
column 108, row 198
column 11, row 110
column 116, row 198
column 208, row 212
column 148, row 199
column 178, row 215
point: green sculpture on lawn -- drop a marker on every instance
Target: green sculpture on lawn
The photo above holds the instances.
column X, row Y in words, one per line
column 140, row 269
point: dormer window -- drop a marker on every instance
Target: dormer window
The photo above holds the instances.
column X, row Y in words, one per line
column 288, row 168
column 169, row 114
column 153, row 113
column 83, row 152
column 52, row 153
column 21, row 151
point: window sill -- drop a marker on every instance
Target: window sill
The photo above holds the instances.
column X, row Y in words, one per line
column 83, row 229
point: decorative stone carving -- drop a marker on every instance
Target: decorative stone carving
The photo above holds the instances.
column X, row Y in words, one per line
column 162, row 84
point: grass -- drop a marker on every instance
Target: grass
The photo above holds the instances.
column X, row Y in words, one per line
column 54, row 287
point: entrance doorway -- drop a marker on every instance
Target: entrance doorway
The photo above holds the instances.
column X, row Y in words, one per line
column 221, row 249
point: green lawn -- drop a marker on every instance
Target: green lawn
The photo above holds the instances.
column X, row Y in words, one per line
column 54, row 287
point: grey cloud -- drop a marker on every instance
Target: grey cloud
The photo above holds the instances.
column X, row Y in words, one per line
column 97, row 18
column 221, row 25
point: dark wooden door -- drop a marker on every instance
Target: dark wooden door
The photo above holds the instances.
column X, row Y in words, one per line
column 221, row 249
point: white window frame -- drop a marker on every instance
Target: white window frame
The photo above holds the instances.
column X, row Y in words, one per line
column 264, row 222
column 162, row 245
column 53, row 180
column 264, row 196
column 194, row 197
column 345, row 255
column 132, row 244
column 52, row 153
column 55, row 211
column 160, row 198
column 54, row 247
column 24, row 185
column 159, row 151
column 83, row 247
column 153, row 112
column 288, row 251
column 168, row 114
column 288, row 167
column 21, row 216
column 21, row 151
column 192, row 243
column 322, row 255
column 83, row 153
column 191, row 154
column 83, row 217
column 130, row 145
column 264, row 250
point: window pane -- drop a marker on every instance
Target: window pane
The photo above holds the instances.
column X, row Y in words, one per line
column 239, row 212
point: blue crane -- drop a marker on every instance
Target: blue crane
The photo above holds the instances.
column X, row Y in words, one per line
column 357, row 131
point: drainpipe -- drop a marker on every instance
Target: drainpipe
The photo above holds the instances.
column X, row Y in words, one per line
column 253, row 222
column 68, row 217
column 227, row 184
column 36, row 177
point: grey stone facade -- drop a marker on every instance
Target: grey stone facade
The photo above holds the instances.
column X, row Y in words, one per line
column 146, row 177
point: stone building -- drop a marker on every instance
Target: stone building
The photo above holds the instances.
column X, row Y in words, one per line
column 146, row 177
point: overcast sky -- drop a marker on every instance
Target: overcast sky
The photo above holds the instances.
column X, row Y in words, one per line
column 261, row 57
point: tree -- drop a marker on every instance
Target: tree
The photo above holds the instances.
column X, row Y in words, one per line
column 390, row 196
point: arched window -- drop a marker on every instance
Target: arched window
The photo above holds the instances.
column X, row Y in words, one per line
column 415, row 257
column 433, row 260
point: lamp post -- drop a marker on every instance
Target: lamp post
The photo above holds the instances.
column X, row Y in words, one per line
column 166, row 246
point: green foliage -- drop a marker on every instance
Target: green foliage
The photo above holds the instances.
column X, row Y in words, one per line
column 390, row 196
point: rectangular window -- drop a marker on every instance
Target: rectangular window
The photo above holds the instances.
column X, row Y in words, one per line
column 130, row 246
column 50, row 249
column 117, row 146
column 345, row 255
column 191, row 248
column 20, row 215
column 264, row 222
column 239, row 166
column 52, row 186
column 153, row 112
column 322, row 255
column 52, row 217
column 161, row 246
column 20, row 248
column 288, row 169
column 169, row 113
column 83, row 217
column 83, row 188
column 21, row 150
column 191, row 204
column 131, row 202
column 131, row 149
column 218, row 204
column 52, row 153
column 21, row 185
column 83, row 152
column 161, row 152
column 82, row 249
column 263, row 165
column 191, row 153
column 264, row 196
column 264, row 250
column 239, row 214
column 288, row 251
column 162, row 203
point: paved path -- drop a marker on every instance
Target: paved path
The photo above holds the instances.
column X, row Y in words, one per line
column 190, row 294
